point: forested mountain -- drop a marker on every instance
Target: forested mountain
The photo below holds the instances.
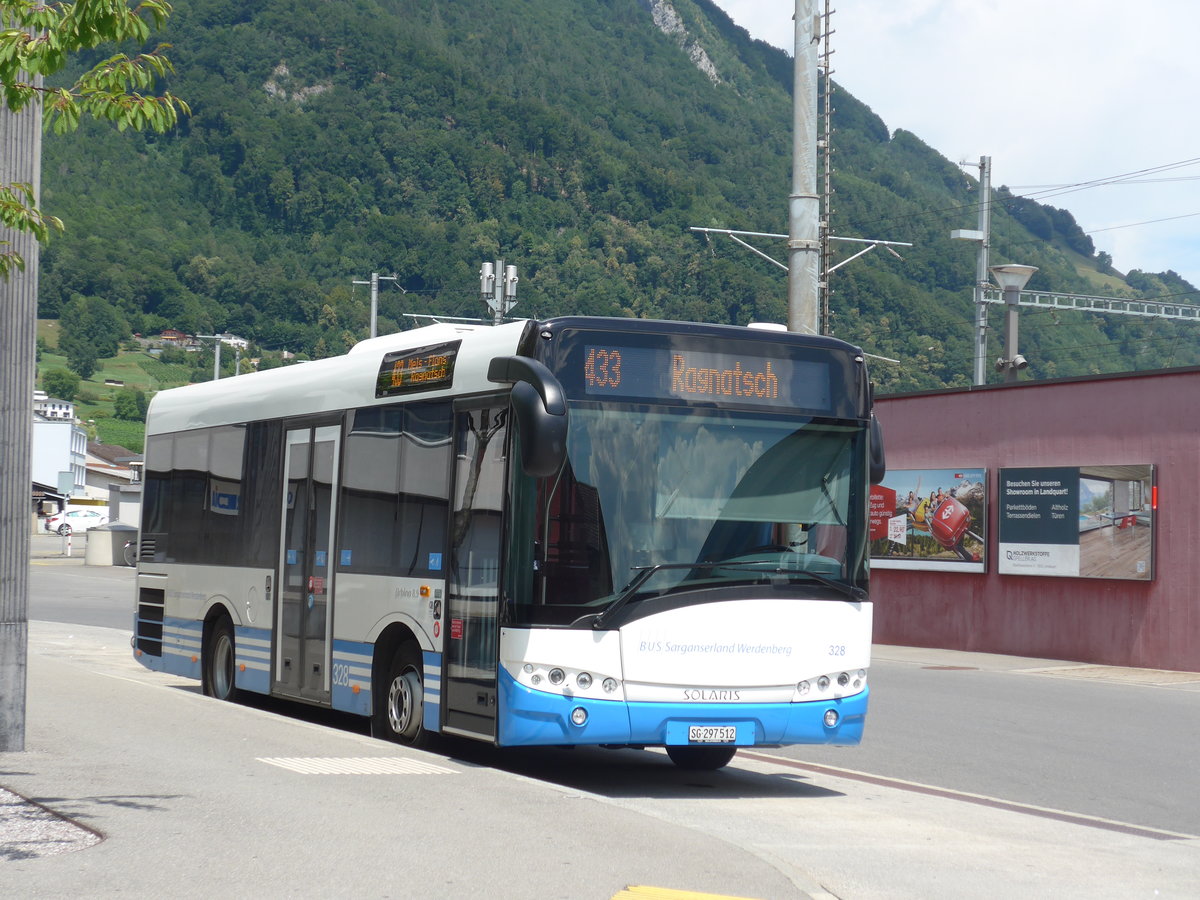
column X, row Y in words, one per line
column 576, row 139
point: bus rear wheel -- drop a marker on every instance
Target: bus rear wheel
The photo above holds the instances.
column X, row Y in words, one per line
column 399, row 699
column 219, row 661
column 698, row 759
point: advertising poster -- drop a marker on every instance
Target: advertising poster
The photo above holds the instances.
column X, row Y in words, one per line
column 929, row 519
column 1077, row 522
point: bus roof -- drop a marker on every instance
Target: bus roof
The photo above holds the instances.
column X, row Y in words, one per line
column 329, row 385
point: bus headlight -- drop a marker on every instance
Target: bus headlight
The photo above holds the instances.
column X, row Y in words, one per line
column 566, row 681
column 834, row 684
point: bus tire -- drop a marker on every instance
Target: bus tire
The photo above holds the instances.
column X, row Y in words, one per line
column 399, row 699
column 696, row 759
column 219, row 661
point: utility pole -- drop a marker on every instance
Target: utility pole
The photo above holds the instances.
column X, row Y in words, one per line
column 498, row 288
column 804, row 238
column 374, row 283
column 20, row 163
column 216, row 353
column 982, row 236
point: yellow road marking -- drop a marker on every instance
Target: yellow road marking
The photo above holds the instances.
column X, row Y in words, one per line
column 643, row 892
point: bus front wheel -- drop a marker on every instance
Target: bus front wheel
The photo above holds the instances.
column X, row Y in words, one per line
column 700, row 758
column 399, row 707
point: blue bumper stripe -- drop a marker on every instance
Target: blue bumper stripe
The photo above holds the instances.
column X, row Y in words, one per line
column 253, row 649
column 431, row 718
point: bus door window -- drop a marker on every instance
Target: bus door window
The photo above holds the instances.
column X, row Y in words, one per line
column 302, row 645
column 480, row 478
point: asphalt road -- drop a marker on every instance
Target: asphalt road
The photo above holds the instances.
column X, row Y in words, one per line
column 1082, row 739
column 81, row 595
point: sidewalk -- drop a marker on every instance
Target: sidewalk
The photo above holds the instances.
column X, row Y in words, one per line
column 193, row 797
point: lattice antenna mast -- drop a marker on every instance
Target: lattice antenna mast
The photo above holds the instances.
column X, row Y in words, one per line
column 825, row 157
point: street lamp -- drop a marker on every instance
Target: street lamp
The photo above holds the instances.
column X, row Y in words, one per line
column 1011, row 278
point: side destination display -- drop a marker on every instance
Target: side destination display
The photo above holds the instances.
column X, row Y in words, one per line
column 695, row 375
column 423, row 369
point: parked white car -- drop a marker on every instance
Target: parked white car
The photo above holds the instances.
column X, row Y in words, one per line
column 76, row 518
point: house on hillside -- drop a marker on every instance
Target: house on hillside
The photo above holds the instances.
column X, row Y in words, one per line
column 51, row 408
column 232, row 340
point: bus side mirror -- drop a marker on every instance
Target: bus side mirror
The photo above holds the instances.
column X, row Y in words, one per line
column 540, row 410
column 878, row 464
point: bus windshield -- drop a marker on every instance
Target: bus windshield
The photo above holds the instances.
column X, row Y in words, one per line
column 678, row 489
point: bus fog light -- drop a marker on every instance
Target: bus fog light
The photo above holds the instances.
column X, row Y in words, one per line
column 831, row 718
column 584, row 680
column 823, row 682
column 557, row 676
column 843, row 679
column 804, row 687
column 610, row 685
column 579, row 716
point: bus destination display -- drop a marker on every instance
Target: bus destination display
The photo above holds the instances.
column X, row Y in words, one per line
column 423, row 369
column 699, row 376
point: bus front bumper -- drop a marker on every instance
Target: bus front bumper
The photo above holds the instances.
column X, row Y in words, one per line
column 532, row 718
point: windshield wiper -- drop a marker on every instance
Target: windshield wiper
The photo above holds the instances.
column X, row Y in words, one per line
column 645, row 573
column 841, row 587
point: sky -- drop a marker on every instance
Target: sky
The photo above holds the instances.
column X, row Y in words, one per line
column 1056, row 92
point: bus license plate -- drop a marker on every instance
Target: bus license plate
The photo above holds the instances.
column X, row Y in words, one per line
column 712, row 734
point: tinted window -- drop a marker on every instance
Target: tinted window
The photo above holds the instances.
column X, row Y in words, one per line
column 212, row 495
column 395, row 490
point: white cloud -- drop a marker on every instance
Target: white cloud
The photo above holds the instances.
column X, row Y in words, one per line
column 1055, row 91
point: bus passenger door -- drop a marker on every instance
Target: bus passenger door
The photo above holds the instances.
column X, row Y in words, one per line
column 473, row 599
column 302, row 620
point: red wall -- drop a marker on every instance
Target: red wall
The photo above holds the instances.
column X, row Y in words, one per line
column 1142, row 418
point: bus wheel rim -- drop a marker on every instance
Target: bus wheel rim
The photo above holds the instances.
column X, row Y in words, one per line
column 403, row 697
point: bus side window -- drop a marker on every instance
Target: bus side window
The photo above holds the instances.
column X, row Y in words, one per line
column 395, row 490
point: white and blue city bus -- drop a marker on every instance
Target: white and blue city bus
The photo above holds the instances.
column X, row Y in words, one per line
column 567, row 532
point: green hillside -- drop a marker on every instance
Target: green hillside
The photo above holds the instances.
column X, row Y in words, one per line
column 571, row 138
